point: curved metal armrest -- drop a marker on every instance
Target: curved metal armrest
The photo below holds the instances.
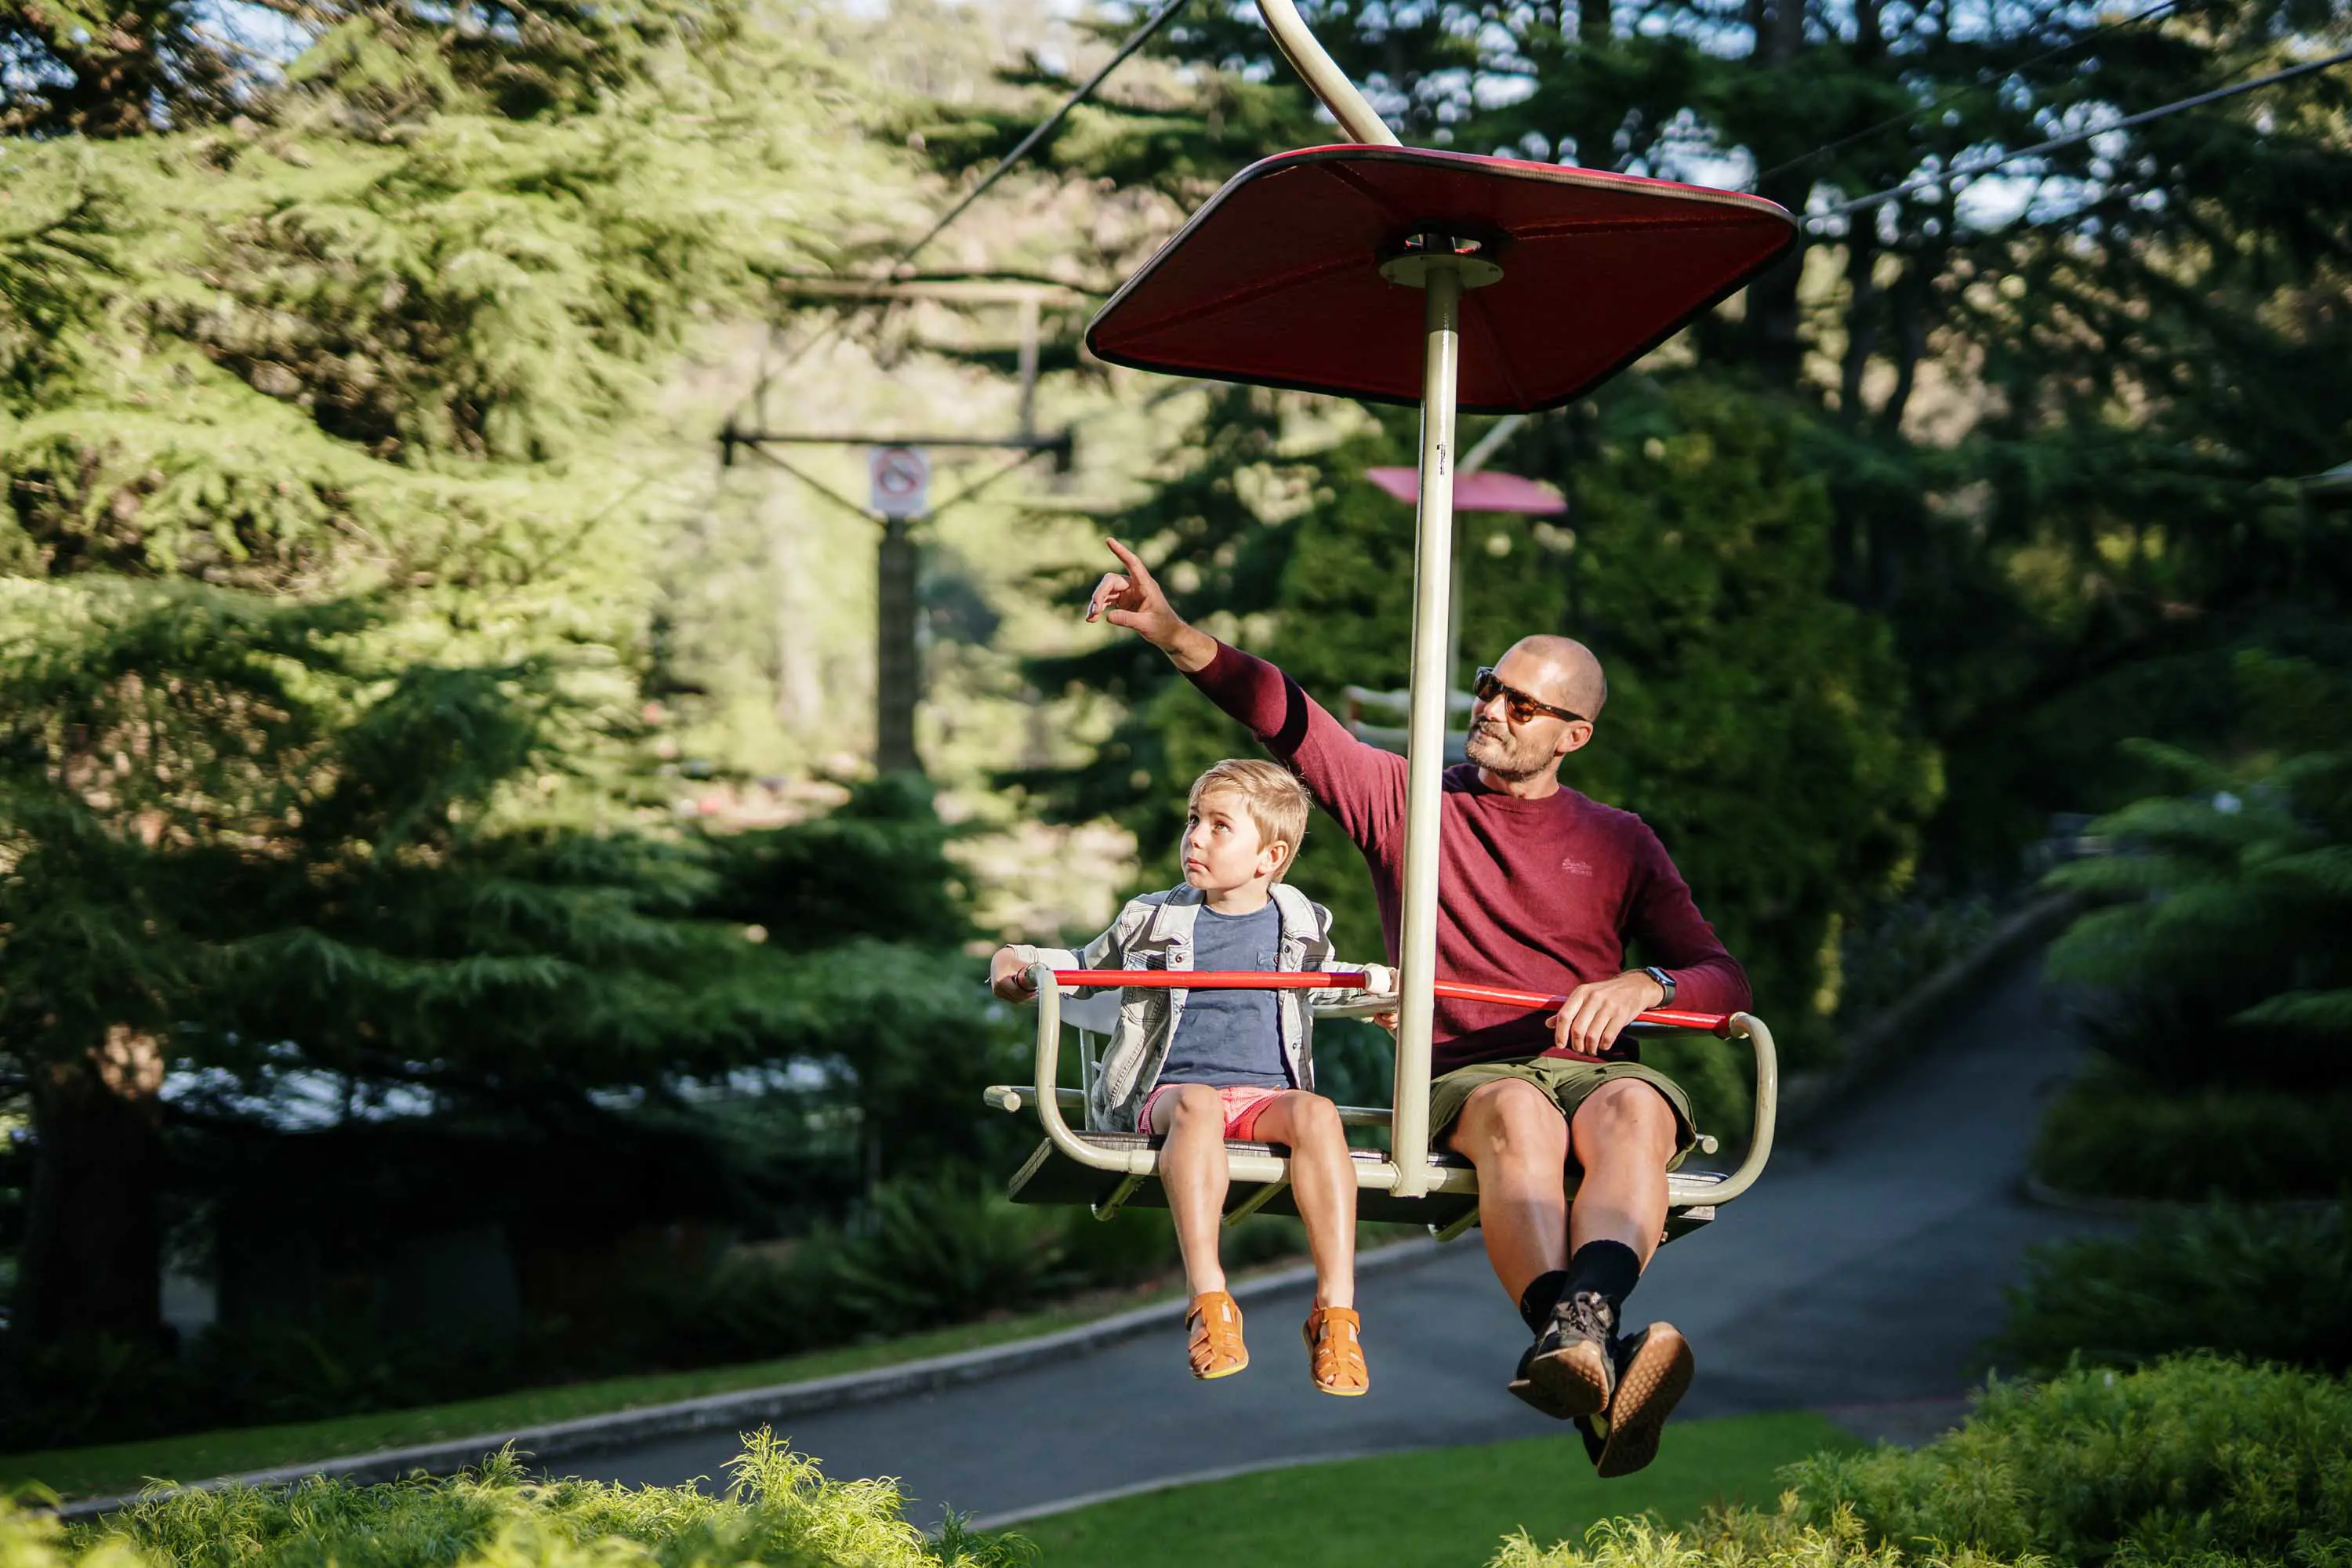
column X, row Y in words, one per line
column 1244, row 1167
column 1767, row 1108
column 1015, row 1096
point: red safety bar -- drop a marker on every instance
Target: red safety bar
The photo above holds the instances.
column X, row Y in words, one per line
column 1716, row 1024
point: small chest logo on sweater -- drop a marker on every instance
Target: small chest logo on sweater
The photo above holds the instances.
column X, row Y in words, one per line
column 1576, row 867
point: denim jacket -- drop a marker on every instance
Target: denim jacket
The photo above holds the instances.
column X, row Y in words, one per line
column 1155, row 932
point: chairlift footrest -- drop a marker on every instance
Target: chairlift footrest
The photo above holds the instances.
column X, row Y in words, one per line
column 1051, row 1177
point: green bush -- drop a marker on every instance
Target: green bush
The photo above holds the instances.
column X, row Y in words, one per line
column 929, row 1252
column 96, row 1388
column 752, row 1305
column 777, row 1511
column 2224, row 1007
column 2259, row 1284
column 2112, row 1134
column 1735, row 1540
column 2214, row 912
column 1881, row 960
column 2196, row 1461
column 942, row 1249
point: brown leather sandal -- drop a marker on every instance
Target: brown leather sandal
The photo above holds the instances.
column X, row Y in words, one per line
column 1335, row 1349
column 1213, row 1323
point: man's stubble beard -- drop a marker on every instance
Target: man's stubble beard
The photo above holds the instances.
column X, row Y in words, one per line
column 1495, row 753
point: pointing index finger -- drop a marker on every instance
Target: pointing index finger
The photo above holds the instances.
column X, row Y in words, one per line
column 1136, row 569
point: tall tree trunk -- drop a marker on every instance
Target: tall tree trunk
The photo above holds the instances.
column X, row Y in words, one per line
column 93, row 1257
column 1894, row 530
column 1775, row 318
column 1861, row 343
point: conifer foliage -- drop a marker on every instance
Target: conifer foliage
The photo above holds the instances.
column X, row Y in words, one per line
column 322, row 555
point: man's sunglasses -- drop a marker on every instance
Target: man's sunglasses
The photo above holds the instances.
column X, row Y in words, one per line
column 1522, row 707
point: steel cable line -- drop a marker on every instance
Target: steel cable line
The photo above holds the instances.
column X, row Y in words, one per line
column 2074, row 138
column 1913, row 117
column 1142, row 34
column 1043, row 128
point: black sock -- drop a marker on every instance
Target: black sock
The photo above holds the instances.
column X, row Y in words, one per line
column 1610, row 1269
column 1537, row 1300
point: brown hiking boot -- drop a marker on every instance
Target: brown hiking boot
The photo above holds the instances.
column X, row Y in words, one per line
column 1214, row 1324
column 1654, row 1372
column 1335, row 1349
column 1570, row 1371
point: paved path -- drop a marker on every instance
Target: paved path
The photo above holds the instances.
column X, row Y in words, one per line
column 1859, row 1277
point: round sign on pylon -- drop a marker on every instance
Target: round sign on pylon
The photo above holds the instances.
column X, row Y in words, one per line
column 900, row 478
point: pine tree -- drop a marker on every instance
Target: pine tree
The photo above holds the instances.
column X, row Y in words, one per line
column 326, row 558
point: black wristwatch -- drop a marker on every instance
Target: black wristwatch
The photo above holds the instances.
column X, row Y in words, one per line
column 1665, row 980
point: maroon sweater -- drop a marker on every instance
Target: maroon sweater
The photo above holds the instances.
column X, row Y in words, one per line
column 1537, row 895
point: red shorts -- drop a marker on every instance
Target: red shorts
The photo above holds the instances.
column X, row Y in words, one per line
column 1243, row 1104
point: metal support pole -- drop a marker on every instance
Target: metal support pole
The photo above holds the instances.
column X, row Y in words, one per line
column 897, row 679
column 1322, row 75
column 1254, row 1202
column 1425, row 727
column 1029, row 365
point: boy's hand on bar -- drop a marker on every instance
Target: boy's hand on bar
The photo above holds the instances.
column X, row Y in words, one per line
column 1008, row 976
column 1133, row 599
column 1380, row 980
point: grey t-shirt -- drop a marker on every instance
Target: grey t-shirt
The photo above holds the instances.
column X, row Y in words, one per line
column 1231, row 1037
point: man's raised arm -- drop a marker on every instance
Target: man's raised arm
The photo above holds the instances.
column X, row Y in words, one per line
column 1361, row 785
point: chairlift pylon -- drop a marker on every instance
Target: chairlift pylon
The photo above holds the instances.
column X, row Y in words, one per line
column 1537, row 282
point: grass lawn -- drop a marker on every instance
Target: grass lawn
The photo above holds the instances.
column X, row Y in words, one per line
column 113, row 1469
column 1445, row 1508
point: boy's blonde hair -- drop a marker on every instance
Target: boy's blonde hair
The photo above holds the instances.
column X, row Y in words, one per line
column 1274, row 802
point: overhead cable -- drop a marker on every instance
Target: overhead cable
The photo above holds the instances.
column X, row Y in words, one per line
column 1910, row 117
column 1142, row 34
column 2072, row 138
column 1045, row 127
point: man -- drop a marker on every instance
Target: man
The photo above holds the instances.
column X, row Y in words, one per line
column 1540, row 889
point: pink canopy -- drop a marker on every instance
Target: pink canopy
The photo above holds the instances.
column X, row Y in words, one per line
column 1482, row 491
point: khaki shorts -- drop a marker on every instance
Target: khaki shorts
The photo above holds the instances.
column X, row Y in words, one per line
column 1567, row 1081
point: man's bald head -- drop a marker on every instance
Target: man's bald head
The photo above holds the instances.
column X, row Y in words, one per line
column 1559, row 670
column 1525, row 752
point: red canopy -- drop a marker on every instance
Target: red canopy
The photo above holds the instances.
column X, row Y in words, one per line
column 1482, row 489
column 1276, row 281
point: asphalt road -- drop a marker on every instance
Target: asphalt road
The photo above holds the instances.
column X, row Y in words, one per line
column 1858, row 1278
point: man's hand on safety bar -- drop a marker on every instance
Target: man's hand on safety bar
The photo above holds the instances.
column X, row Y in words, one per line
column 1597, row 1013
column 1133, row 599
column 1008, row 974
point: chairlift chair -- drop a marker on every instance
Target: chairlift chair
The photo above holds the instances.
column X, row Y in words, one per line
column 1537, row 283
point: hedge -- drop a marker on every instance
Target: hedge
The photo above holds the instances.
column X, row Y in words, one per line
column 2195, row 1461
column 778, row 1510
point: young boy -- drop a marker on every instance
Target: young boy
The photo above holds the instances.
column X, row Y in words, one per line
column 1201, row 1066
